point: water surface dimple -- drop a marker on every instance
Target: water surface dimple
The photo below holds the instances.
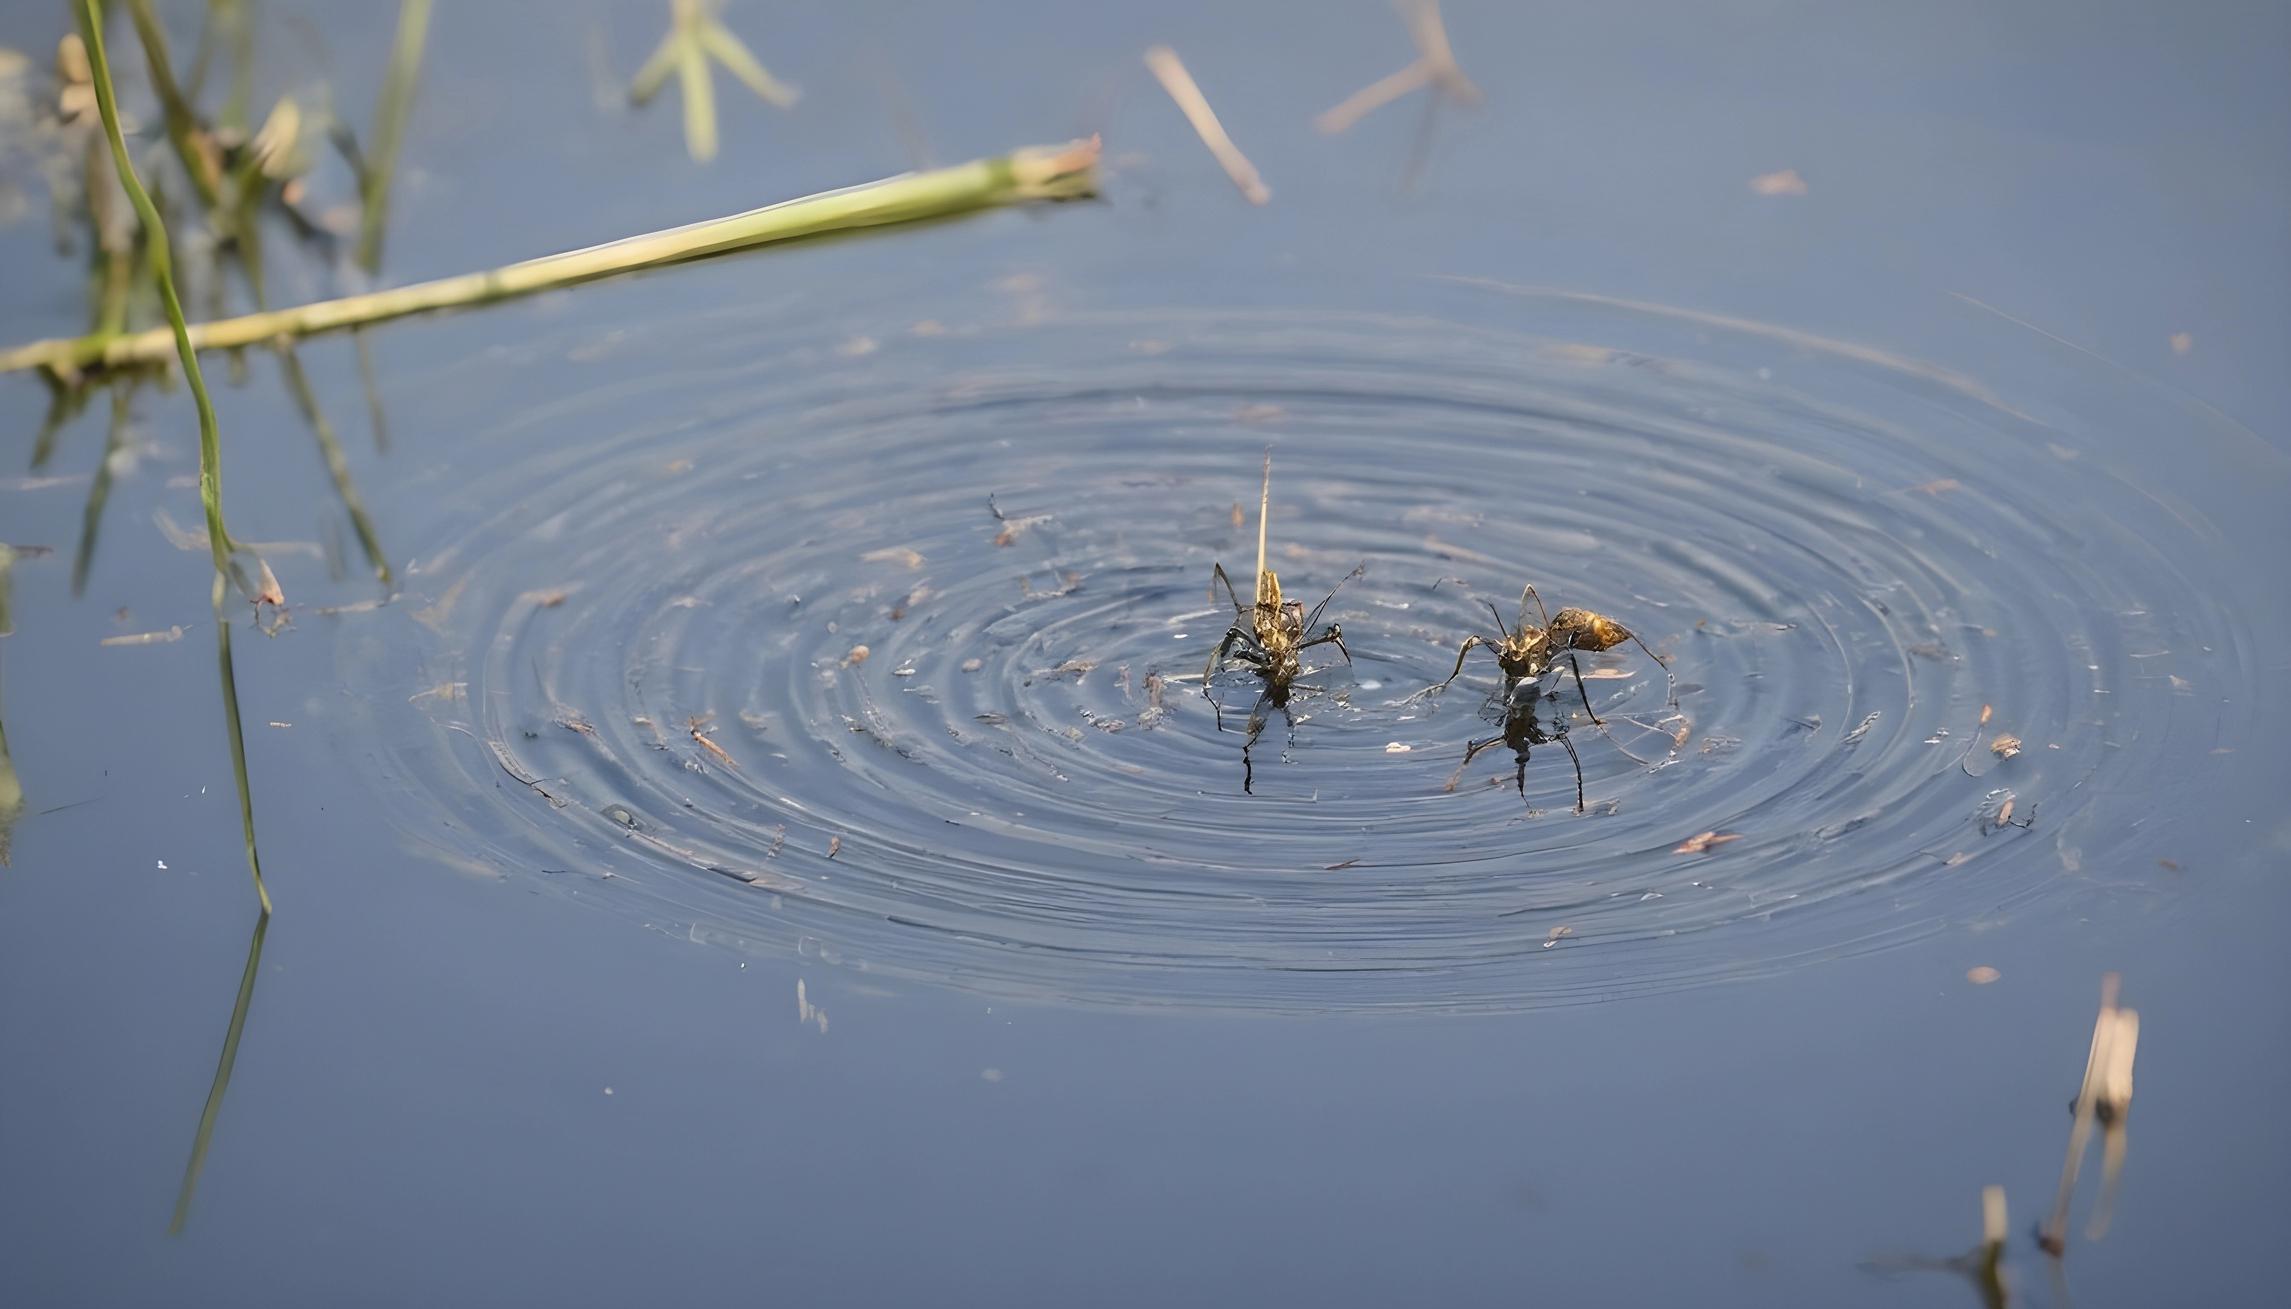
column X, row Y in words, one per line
column 737, row 645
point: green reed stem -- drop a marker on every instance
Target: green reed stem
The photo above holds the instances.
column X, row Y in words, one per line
column 238, row 741
column 161, row 259
column 162, row 264
column 1040, row 173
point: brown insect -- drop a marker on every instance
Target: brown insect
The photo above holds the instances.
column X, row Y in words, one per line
column 1268, row 635
column 1525, row 651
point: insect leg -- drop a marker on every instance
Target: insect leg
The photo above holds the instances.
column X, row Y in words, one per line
column 1332, row 634
column 1314, row 617
column 1471, row 751
column 1575, row 759
column 1461, row 651
column 1216, row 576
column 1580, row 689
column 1664, row 664
column 1256, row 729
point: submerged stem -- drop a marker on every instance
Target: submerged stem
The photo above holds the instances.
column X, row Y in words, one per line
column 390, row 129
column 221, row 1086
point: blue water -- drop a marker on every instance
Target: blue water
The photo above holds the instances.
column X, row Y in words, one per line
column 1064, row 1016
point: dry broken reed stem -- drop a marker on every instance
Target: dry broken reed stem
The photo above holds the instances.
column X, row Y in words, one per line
column 1170, row 72
column 2104, row 1096
column 1435, row 66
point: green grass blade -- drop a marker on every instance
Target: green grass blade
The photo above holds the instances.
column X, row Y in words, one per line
column 162, row 264
column 210, row 438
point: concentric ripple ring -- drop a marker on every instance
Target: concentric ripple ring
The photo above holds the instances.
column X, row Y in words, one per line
column 886, row 649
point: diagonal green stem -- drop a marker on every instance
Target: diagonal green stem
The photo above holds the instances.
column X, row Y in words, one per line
column 210, row 439
column 162, row 263
column 1037, row 173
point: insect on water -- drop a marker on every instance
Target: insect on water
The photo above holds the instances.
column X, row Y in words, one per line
column 1268, row 635
column 1525, row 651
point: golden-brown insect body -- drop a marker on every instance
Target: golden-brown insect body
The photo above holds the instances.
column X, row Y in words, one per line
column 1269, row 634
column 1525, row 651
column 1580, row 629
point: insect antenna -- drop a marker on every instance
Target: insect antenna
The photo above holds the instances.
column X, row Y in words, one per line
column 1315, row 616
column 1526, row 594
column 1665, row 665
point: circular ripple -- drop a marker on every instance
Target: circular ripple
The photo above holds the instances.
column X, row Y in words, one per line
column 751, row 654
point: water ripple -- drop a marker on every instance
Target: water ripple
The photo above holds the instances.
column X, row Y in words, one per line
column 749, row 655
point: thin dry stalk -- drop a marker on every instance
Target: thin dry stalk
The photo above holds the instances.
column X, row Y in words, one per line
column 1170, row 72
column 2102, row 1098
column 1434, row 66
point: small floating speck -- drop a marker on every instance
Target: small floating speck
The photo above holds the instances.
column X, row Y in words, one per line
column 990, row 1074
column 1397, row 747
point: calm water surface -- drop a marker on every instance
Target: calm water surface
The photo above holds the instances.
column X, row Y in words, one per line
column 773, row 843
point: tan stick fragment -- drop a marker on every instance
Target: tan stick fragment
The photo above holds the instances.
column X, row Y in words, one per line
column 1170, row 72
